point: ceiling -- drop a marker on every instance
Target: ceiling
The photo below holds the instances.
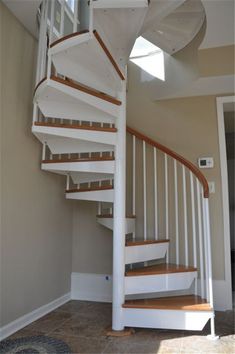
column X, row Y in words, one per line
column 25, row 11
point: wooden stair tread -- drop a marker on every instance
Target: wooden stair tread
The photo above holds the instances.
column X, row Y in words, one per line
column 185, row 302
column 76, row 126
column 90, row 159
column 92, row 189
column 101, row 43
column 162, row 268
column 147, row 242
column 86, row 89
column 68, row 37
column 110, row 216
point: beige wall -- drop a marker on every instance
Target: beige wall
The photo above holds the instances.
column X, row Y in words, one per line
column 216, row 61
column 36, row 221
column 92, row 243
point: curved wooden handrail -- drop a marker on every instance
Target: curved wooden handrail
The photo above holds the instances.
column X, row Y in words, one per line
column 176, row 156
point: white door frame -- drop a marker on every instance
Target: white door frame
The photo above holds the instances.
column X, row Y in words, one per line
column 220, row 101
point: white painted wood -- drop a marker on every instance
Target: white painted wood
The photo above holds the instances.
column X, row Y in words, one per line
column 143, row 253
column 106, row 167
column 158, row 283
column 155, row 193
column 144, row 190
column 119, row 212
column 75, row 17
column 176, row 213
column 75, row 58
column 220, row 102
column 108, row 222
column 185, row 216
column 201, row 258
column 166, row 319
column 95, row 287
column 97, row 196
column 133, row 174
column 166, row 199
column 92, row 136
column 119, row 28
column 107, row 4
column 88, row 177
column 91, row 287
column 25, row 320
column 193, row 224
column 205, row 246
column 61, row 145
column 55, row 92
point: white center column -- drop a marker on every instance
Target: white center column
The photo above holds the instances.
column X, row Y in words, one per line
column 119, row 216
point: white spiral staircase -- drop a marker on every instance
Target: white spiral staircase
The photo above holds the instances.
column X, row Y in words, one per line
column 80, row 118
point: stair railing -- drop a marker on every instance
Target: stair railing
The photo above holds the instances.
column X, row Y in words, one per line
column 177, row 194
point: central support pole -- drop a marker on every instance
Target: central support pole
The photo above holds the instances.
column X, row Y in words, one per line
column 119, row 216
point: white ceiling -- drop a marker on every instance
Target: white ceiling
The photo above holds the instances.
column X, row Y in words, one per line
column 25, row 11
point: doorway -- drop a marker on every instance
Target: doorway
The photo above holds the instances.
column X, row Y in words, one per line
column 226, row 120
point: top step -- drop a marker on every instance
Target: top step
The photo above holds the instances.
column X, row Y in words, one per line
column 84, row 57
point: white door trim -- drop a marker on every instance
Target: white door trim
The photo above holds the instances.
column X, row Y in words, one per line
column 220, row 101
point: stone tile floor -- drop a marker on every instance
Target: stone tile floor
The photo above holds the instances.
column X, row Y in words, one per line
column 82, row 325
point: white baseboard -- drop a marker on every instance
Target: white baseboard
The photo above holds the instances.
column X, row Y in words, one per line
column 98, row 287
column 91, row 287
column 25, row 320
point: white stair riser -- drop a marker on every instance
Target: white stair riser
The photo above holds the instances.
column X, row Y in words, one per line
column 157, row 283
column 97, row 196
column 135, row 254
column 74, row 110
column 106, row 167
column 77, row 134
column 69, row 68
column 108, row 222
column 87, row 177
column 51, row 90
column 106, row 4
column 166, row 319
column 59, row 145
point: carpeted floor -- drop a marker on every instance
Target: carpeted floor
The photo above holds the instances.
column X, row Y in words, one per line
column 82, row 326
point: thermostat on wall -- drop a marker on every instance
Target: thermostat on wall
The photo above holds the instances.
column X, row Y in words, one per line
column 206, row 162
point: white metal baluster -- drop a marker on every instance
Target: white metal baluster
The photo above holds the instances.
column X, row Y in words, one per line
column 200, row 240
column 185, row 216
column 193, row 226
column 50, row 38
column 209, row 263
column 145, row 190
column 91, row 22
column 166, row 203
column 41, row 40
column 44, row 146
column 176, row 213
column 75, row 17
column 155, row 193
column 67, row 182
column 205, row 246
column 62, row 18
column 133, row 177
column 99, row 208
column 43, row 48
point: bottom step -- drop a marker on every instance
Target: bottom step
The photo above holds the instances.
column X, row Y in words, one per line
column 186, row 312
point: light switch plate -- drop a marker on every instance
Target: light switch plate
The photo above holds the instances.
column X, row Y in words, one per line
column 211, row 187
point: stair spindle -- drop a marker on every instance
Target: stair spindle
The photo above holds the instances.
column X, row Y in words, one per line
column 176, row 213
column 145, row 190
column 155, row 193
column 193, row 225
column 185, row 215
column 199, row 211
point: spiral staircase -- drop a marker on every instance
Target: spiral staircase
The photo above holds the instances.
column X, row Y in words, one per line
column 80, row 118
